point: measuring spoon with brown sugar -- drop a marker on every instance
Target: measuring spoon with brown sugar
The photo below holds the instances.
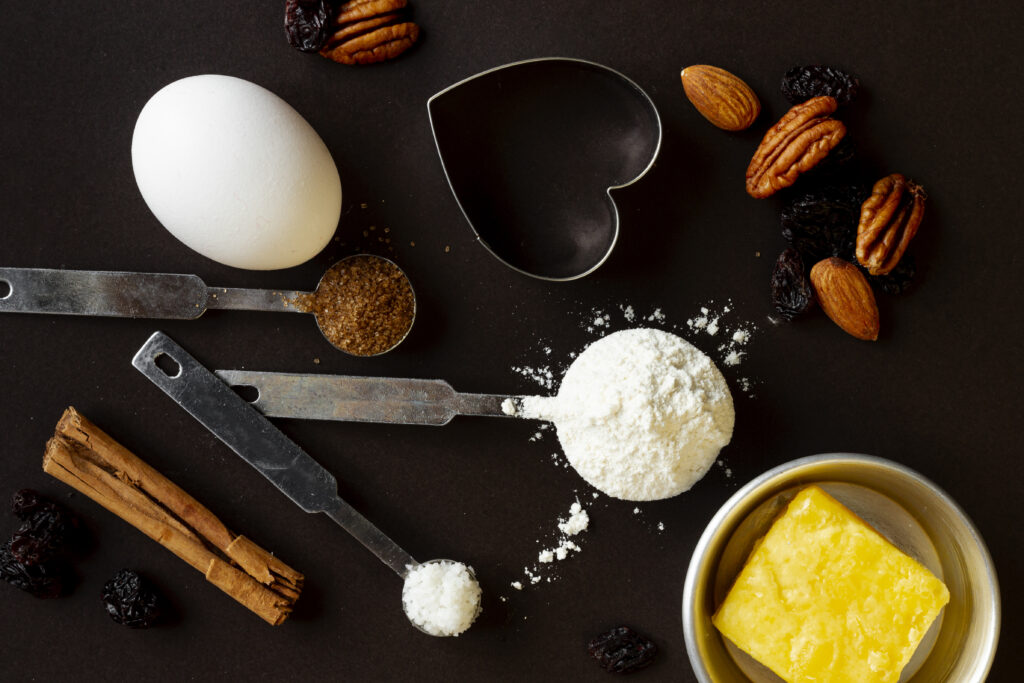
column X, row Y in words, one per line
column 364, row 305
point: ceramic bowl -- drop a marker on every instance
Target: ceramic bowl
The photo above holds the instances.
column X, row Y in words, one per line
column 532, row 152
column 912, row 512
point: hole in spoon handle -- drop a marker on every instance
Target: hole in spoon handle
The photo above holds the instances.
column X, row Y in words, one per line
column 167, row 365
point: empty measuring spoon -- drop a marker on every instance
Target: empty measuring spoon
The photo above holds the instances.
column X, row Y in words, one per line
column 250, row 435
column 340, row 315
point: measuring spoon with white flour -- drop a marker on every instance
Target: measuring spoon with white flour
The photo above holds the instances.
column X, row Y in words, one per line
column 641, row 414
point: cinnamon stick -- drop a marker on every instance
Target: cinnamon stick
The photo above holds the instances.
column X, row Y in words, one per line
column 83, row 456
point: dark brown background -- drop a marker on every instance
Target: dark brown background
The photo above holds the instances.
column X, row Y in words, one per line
column 938, row 392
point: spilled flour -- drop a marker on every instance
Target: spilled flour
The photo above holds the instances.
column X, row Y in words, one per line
column 569, row 527
column 714, row 323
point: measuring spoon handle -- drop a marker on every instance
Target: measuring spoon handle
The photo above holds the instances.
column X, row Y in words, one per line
column 103, row 293
column 361, row 399
column 251, row 436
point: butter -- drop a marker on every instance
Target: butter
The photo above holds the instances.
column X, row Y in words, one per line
column 824, row 597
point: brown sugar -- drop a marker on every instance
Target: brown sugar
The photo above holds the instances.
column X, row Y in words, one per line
column 364, row 305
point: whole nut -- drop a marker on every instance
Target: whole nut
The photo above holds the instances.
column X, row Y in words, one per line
column 846, row 297
column 802, row 137
column 722, row 98
column 368, row 31
column 889, row 219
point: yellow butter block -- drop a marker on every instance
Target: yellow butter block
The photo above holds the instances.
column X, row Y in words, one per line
column 824, row 597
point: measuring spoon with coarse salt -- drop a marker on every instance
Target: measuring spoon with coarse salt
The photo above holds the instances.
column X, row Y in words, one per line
column 342, row 313
column 431, row 588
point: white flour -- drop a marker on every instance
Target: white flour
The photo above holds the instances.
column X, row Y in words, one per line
column 577, row 522
column 641, row 414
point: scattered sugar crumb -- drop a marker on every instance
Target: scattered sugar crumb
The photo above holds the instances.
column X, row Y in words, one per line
column 517, row 585
column 661, row 526
column 636, row 511
column 546, row 556
column 628, row 313
column 733, row 358
column 741, row 336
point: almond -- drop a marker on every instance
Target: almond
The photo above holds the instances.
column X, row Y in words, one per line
column 720, row 97
column 845, row 295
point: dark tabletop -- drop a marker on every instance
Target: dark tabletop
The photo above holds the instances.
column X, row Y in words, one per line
column 939, row 391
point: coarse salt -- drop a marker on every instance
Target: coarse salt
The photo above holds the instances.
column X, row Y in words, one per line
column 442, row 597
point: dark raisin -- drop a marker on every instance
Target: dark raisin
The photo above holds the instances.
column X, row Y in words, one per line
column 801, row 83
column 792, row 293
column 27, row 501
column 899, row 279
column 44, row 533
column 131, row 600
column 46, row 580
column 823, row 223
column 305, row 23
column 622, row 650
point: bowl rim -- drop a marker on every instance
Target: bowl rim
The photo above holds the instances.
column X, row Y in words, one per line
column 763, row 480
column 608, row 191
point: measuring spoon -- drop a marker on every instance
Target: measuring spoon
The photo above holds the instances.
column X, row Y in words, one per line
column 250, row 435
column 154, row 295
column 363, row 399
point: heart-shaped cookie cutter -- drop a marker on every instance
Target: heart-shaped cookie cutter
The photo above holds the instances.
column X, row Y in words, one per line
column 527, row 147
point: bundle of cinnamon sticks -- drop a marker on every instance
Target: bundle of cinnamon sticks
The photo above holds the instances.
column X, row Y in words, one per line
column 83, row 456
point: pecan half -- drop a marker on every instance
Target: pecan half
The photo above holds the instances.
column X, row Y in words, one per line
column 368, row 31
column 794, row 145
column 889, row 219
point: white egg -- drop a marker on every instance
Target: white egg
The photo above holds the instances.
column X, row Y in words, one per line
column 234, row 172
